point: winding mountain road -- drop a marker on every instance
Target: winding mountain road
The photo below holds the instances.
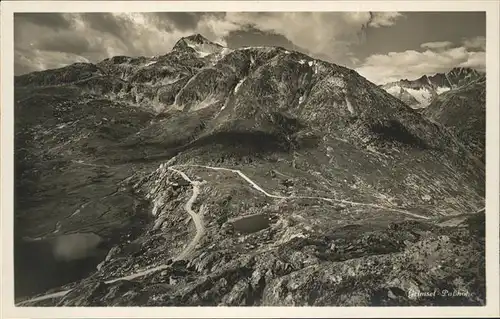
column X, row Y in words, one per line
column 198, row 222
column 197, row 218
column 331, row 200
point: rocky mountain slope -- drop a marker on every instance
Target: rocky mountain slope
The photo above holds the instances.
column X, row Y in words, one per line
column 421, row 92
column 253, row 176
column 463, row 111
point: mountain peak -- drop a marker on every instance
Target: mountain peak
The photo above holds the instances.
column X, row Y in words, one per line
column 198, row 43
column 197, row 38
column 463, row 71
column 194, row 39
column 460, row 68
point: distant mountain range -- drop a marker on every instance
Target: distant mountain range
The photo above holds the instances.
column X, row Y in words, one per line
column 421, row 92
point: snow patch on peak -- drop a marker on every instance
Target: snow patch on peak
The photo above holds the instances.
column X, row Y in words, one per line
column 314, row 64
column 237, row 87
column 442, row 89
column 225, row 51
column 203, row 54
column 150, row 63
column 394, row 90
column 203, row 48
column 423, row 96
column 349, row 106
column 264, row 49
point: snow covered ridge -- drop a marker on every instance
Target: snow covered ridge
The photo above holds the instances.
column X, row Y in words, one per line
column 415, row 97
column 419, row 93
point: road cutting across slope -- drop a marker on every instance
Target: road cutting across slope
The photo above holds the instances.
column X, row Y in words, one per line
column 331, row 200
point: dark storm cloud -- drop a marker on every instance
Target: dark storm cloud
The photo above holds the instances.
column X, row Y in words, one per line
column 256, row 37
column 107, row 23
column 21, row 68
column 65, row 42
column 51, row 20
column 180, row 20
column 121, row 27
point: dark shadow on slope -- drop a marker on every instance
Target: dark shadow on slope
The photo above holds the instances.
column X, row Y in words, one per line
column 285, row 123
column 251, row 142
column 272, row 133
column 394, row 131
column 237, row 144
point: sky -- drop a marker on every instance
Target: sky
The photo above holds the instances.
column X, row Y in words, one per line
column 381, row 46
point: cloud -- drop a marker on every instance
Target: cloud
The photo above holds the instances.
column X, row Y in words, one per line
column 42, row 60
column 217, row 28
column 52, row 20
column 64, row 42
column 108, row 23
column 99, row 35
column 88, row 37
column 476, row 43
column 181, row 20
column 436, row 45
column 411, row 64
column 329, row 34
column 52, row 39
column 477, row 60
column 384, row 19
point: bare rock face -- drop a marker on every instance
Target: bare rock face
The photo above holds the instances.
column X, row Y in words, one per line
column 251, row 176
column 463, row 112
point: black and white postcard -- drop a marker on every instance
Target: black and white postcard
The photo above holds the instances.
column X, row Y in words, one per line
column 269, row 159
